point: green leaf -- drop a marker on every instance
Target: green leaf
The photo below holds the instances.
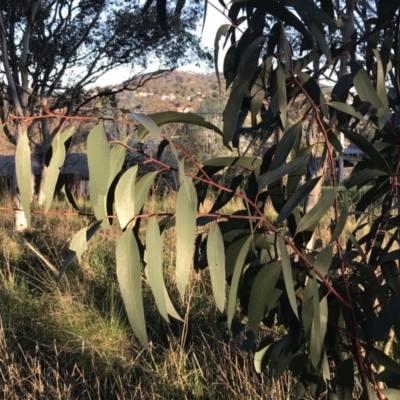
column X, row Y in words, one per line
column 125, row 196
column 369, row 276
column 380, row 358
column 288, row 276
column 282, row 96
column 324, row 259
column 367, row 147
column 261, row 356
column 98, row 154
column 79, row 243
column 168, row 117
column 345, row 108
column 310, row 8
column 295, row 199
column 261, row 291
column 381, row 86
column 344, row 212
column 321, row 41
column 154, row 261
column 23, row 170
column 345, row 380
column 222, row 31
column 130, row 282
column 148, row 124
column 365, row 88
column 391, row 394
column 237, row 273
column 285, row 146
column 362, row 177
column 186, row 207
column 392, row 274
column 78, row 246
column 272, row 176
column 313, row 217
column 142, row 188
column 216, row 263
column 279, row 11
column 234, row 161
column 117, row 158
column 53, row 171
column 318, row 328
column 357, row 246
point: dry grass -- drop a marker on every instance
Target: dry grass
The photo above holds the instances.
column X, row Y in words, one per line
column 73, row 341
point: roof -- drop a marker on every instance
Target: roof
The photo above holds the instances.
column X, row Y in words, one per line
column 74, row 163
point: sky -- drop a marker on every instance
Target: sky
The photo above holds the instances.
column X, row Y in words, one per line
column 214, row 20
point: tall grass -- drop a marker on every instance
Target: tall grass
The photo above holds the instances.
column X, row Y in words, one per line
column 73, row 341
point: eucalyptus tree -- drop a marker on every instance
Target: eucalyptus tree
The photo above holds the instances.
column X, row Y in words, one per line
column 334, row 303
column 53, row 51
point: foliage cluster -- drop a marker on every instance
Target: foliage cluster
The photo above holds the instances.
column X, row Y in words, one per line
column 336, row 299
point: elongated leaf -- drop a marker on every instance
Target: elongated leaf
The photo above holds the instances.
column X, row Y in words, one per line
column 53, row 171
column 288, row 276
column 381, row 358
column 381, row 86
column 279, row 11
column 222, row 30
column 367, row 147
column 78, row 244
column 261, row 357
column 261, row 291
column 234, row 161
column 362, row 177
column 344, row 212
column 365, row 88
column 312, row 218
column 345, row 380
column 321, row 41
column 98, row 154
column 282, row 96
column 368, row 275
column 186, row 207
column 318, row 328
column 168, row 117
column 345, row 108
column 295, row 199
column 125, row 197
column 216, row 263
column 130, row 282
column 23, row 170
column 392, row 274
column 142, row 188
column 237, row 273
column 310, row 8
column 285, row 146
column 148, row 123
column 272, row 176
column 117, row 158
column 391, row 394
column 324, row 259
column 154, row 260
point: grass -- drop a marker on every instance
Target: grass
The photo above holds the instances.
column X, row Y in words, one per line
column 73, row 341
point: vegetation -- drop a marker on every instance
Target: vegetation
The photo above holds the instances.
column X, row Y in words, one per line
column 318, row 283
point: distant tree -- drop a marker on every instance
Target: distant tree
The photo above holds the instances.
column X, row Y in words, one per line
column 51, row 51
